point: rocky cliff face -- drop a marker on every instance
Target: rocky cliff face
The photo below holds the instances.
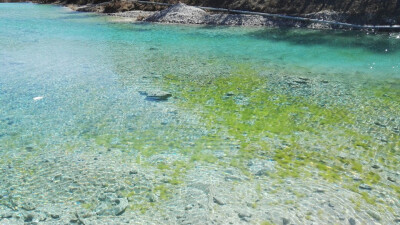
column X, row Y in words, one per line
column 354, row 11
column 357, row 11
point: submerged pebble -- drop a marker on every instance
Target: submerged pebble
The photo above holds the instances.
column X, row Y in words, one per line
column 156, row 95
column 365, row 187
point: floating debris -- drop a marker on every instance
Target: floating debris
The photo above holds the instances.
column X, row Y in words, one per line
column 38, row 98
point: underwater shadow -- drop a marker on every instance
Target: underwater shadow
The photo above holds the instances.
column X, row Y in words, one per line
column 376, row 43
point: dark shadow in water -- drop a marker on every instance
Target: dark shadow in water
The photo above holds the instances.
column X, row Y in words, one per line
column 77, row 15
column 377, row 43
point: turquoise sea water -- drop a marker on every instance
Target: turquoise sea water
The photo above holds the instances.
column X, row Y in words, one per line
column 70, row 83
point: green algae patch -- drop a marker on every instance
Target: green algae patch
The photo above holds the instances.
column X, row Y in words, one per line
column 389, row 92
column 243, row 120
column 241, row 106
column 242, row 103
column 304, row 139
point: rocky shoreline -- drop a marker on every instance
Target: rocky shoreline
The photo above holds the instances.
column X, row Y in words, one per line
column 183, row 14
column 180, row 13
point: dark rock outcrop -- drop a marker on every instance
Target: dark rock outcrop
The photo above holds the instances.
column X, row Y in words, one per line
column 373, row 12
column 358, row 11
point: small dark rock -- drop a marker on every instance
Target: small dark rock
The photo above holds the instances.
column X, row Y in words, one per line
column 244, row 216
column 352, row 221
column 29, row 148
column 133, row 172
column 54, row 216
column 375, row 167
column 151, row 198
column 365, row 187
column 232, row 178
column 84, row 214
column 391, row 179
column 57, row 177
column 298, row 81
column 156, row 95
column 285, row 221
column 397, row 220
column 72, row 189
column 28, row 218
column 6, row 215
column 189, row 207
column 262, row 172
column 229, row 94
column 28, row 206
column 112, row 206
column 380, row 124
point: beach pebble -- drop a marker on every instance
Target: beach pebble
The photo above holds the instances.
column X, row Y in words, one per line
column 374, row 215
column 54, row 215
column 113, row 207
column 189, row 207
column 28, row 206
column 28, row 217
column 245, row 216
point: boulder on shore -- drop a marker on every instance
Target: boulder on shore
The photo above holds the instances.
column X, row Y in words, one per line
column 179, row 13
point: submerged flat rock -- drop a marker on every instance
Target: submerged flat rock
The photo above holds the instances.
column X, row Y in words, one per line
column 156, row 95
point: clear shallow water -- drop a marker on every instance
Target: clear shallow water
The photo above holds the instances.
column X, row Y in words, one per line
column 89, row 71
